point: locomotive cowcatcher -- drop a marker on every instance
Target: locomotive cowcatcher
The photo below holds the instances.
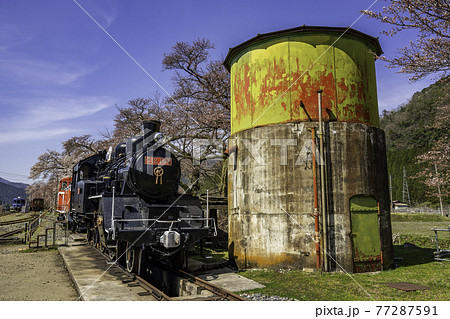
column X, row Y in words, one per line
column 128, row 202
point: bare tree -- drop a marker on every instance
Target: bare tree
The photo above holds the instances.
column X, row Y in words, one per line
column 128, row 120
column 198, row 111
column 57, row 164
column 196, row 77
column 46, row 190
column 202, row 92
column 52, row 166
column 183, row 137
column 430, row 53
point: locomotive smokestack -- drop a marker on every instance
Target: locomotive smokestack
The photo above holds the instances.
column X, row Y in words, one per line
column 150, row 127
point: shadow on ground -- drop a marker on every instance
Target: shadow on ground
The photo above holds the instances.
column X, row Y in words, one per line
column 410, row 256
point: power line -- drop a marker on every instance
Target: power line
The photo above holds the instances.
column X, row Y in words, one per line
column 13, row 174
column 16, row 177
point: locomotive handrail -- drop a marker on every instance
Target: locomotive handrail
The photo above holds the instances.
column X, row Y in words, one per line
column 95, row 196
column 162, row 221
column 135, row 220
column 206, row 219
column 171, row 221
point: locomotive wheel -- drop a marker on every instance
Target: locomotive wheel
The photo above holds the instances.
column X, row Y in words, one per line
column 120, row 253
column 132, row 259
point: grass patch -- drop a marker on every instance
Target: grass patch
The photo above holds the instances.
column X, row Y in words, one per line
column 417, row 229
column 425, row 241
column 405, row 217
column 417, row 267
column 422, row 228
column 40, row 249
column 209, row 255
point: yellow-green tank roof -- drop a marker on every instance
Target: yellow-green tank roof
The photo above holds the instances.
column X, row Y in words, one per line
column 275, row 77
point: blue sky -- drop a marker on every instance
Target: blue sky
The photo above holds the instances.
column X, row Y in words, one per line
column 61, row 75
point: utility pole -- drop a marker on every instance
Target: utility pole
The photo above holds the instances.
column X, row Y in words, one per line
column 405, row 188
column 390, row 188
column 439, row 190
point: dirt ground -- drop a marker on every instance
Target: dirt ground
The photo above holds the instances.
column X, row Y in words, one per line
column 33, row 275
column 39, row 275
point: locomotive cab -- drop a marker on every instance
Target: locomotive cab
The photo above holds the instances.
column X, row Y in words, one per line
column 84, row 189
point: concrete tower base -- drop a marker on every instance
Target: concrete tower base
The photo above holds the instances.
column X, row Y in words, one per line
column 271, row 223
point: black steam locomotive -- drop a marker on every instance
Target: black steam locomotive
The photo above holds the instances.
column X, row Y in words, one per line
column 128, row 202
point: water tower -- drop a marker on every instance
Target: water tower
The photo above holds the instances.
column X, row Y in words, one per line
column 308, row 184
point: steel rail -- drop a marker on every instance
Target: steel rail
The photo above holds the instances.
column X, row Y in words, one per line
column 12, row 232
column 6, row 214
column 155, row 292
column 221, row 292
column 158, row 294
column 17, row 221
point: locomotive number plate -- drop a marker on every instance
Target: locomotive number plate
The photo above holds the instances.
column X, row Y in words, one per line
column 161, row 161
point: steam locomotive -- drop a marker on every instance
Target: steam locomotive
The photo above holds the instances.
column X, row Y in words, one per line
column 127, row 201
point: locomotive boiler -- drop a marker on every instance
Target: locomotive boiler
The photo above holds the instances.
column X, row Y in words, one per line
column 128, row 202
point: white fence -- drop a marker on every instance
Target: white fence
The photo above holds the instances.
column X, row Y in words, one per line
column 421, row 210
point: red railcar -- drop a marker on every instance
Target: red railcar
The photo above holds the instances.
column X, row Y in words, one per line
column 37, row 204
column 64, row 195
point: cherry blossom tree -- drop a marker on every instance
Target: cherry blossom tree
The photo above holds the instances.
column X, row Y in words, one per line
column 52, row 165
column 430, row 52
column 437, row 172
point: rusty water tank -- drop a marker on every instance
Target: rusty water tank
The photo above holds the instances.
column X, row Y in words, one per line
column 274, row 103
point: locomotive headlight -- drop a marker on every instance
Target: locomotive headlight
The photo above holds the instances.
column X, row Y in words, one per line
column 170, row 239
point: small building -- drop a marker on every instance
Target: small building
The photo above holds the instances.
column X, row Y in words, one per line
column 397, row 205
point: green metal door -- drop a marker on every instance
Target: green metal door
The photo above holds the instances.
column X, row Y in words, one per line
column 365, row 234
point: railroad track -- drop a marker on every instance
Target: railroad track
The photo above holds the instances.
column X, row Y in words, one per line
column 18, row 221
column 135, row 280
column 217, row 293
column 6, row 214
column 151, row 290
column 12, row 232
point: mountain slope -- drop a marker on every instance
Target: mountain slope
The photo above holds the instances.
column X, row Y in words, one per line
column 15, row 184
column 9, row 192
column 408, row 134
